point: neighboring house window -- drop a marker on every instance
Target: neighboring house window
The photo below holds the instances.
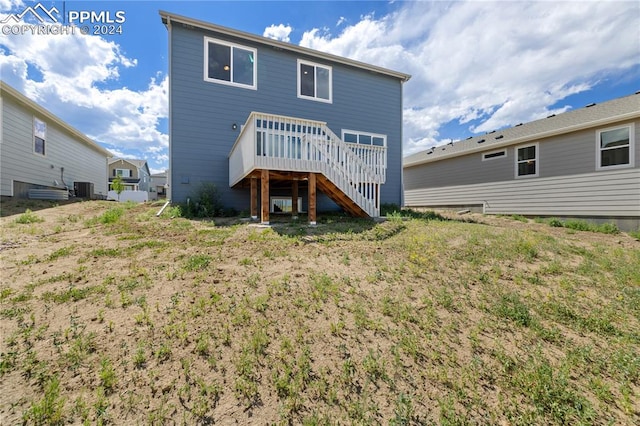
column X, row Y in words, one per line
column 363, row 138
column 527, row 161
column 615, row 147
column 229, row 63
column 314, row 81
column 494, row 154
column 125, row 173
column 39, row 136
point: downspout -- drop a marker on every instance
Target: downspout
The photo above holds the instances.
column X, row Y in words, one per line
column 62, row 178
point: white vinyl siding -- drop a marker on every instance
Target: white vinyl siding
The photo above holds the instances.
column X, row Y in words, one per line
column 230, row 64
column 315, row 81
column 615, row 147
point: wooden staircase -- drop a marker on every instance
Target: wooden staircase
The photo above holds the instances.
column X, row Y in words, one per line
column 350, row 174
column 339, row 197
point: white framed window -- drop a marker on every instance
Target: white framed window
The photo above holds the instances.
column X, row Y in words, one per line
column 364, row 138
column 39, row 136
column 125, row 173
column 492, row 155
column 615, row 147
column 315, row 81
column 230, row 64
column 527, row 160
column 283, row 205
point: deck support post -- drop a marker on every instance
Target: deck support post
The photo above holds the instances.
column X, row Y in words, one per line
column 264, row 178
column 254, row 198
column 312, row 199
column 294, row 199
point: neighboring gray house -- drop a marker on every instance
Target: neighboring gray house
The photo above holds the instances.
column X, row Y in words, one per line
column 159, row 185
column 40, row 151
column 134, row 173
column 581, row 163
column 245, row 109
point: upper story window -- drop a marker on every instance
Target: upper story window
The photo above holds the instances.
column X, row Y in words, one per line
column 527, row 161
column 125, row 173
column 363, row 138
column 39, row 136
column 614, row 147
column 314, row 81
column 228, row 63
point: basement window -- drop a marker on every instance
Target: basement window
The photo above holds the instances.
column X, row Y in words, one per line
column 494, row 154
column 39, row 136
column 229, row 63
column 614, row 147
column 283, row 204
column 364, row 138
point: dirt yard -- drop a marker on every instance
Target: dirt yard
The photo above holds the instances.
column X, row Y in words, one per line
column 111, row 315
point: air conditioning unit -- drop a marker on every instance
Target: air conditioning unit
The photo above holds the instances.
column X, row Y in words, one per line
column 83, row 189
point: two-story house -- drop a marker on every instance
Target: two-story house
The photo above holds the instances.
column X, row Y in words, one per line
column 269, row 122
column 135, row 174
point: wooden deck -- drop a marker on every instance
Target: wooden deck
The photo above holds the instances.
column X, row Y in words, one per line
column 274, row 148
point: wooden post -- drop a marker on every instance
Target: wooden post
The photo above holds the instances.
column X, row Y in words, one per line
column 294, row 199
column 312, row 199
column 254, row 198
column 264, row 178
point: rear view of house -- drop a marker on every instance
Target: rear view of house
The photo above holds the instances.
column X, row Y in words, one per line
column 135, row 174
column 41, row 153
column 269, row 122
column 582, row 163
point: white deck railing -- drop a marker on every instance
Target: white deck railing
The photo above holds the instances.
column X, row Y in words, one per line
column 277, row 142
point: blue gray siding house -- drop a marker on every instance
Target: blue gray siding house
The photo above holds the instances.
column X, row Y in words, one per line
column 246, row 109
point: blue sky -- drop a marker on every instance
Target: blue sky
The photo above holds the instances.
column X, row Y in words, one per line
column 477, row 66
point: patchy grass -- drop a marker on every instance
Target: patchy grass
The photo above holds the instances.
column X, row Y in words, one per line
column 28, row 217
column 421, row 319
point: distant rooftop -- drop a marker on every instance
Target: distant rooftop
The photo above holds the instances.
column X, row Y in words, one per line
column 137, row 163
column 591, row 115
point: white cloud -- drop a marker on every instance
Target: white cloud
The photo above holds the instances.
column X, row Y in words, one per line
column 278, row 32
column 500, row 62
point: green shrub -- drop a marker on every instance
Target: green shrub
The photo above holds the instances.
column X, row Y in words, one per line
column 204, row 202
column 555, row 222
column 608, row 228
column 28, row 217
column 387, row 209
column 112, row 215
